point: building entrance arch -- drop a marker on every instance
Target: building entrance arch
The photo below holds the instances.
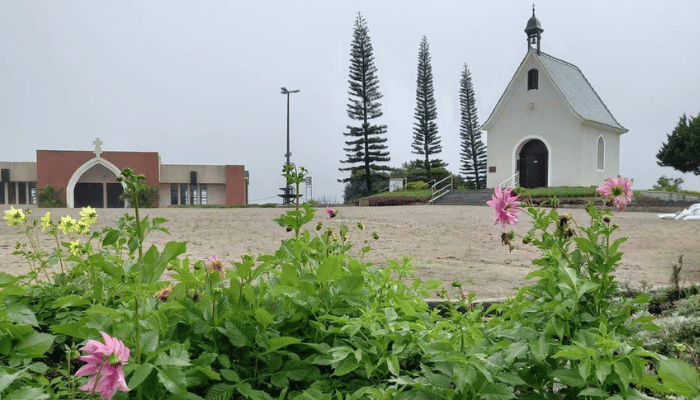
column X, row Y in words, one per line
column 533, row 163
column 94, row 184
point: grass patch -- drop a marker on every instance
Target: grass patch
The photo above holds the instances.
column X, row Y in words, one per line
column 559, row 191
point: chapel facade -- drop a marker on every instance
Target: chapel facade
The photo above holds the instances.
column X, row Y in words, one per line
column 550, row 127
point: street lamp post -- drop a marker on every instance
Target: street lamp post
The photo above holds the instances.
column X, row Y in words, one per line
column 287, row 196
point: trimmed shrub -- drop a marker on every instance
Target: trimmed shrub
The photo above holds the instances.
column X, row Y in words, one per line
column 418, row 185
column 395, row 200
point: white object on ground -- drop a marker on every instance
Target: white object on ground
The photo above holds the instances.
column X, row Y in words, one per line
column 691, row 213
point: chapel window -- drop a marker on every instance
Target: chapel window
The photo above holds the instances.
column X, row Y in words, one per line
column 601, row 153
column 532, row 76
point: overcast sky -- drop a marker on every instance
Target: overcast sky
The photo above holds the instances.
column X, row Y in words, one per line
column 199, row 81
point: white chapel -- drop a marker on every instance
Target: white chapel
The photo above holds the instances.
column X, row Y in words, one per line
column 550, row 128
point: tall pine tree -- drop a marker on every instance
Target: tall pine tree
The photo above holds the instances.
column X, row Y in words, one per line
column 426, row 141
column 473, row 154
column 366, row 146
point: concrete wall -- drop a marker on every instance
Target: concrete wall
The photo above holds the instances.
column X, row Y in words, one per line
column 181, row 173
column 20, row 171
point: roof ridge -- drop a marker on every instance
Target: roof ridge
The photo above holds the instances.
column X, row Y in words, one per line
column 568, row 64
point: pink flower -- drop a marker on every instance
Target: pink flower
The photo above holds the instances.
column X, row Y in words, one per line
column 506, row 204
column 331, row 213
column 104, row 363
column 620, row 190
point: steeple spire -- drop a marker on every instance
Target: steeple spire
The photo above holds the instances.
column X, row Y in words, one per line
column 534, row 31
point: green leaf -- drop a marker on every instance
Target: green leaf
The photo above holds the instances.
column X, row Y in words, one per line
column 516, row 350
column 7, row 279
column 239, row 333
column 346, row 366
column 69, row 301
column 21, row 314
column 263, row 317
column 221, row 391
column 298, row 370
column 569, row 377
column 33, row 393
column 141, row 373
column 511, row 379
column 586, row 245
column 392, row 361
column 329, row 269
column 34, row 345
column 496, row 391
column 540, row 347
column 680, row 377
column 603, row 370
column 173, row 379
column 7, row 379
column 278, row 342
column 73, row 329
column 230, row 375
column 595, row 392
column 110, row 238
column 164, row 359
column 571, row 352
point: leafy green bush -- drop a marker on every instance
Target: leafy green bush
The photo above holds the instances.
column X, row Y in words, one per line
column 419, row 185
column 50, row 197
column 666, row 184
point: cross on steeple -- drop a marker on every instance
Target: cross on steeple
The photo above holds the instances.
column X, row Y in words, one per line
column 98, row 146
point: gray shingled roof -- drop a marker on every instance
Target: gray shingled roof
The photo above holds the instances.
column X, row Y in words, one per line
column 577, row 91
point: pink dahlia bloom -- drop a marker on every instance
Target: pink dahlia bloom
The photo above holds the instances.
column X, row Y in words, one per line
column 619, row 190
column 506, row 204
column 331, row 213
column 104, row 363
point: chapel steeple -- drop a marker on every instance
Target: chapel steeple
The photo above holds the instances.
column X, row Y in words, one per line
column 533, row 31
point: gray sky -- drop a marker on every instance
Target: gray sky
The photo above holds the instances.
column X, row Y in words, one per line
column 199, row 82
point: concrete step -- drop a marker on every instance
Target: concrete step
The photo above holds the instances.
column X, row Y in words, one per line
column 477, row 197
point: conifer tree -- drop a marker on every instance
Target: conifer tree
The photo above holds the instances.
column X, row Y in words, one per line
column 366, row 146
column 426, row 141
column 473, row 153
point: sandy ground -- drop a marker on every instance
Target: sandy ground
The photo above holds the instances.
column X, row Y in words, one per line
column 446, row 242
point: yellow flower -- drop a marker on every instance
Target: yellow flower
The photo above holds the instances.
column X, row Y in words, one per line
column 67, row 224
column 14, row 217
column 75, row 247
column 46, row 221
column 89, row 215
column 82, row 227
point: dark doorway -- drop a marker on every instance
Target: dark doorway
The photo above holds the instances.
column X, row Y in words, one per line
column 533, row 164
column 114, row 190
column 88, row 194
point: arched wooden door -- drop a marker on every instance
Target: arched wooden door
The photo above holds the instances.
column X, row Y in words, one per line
column 534, row 159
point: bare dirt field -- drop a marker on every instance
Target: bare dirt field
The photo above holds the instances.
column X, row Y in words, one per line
column 446, row 242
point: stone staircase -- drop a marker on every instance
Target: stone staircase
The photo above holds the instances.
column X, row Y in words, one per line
column 476, row 197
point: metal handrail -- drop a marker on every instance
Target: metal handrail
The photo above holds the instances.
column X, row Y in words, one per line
column 437, row 193
column 517, row 174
